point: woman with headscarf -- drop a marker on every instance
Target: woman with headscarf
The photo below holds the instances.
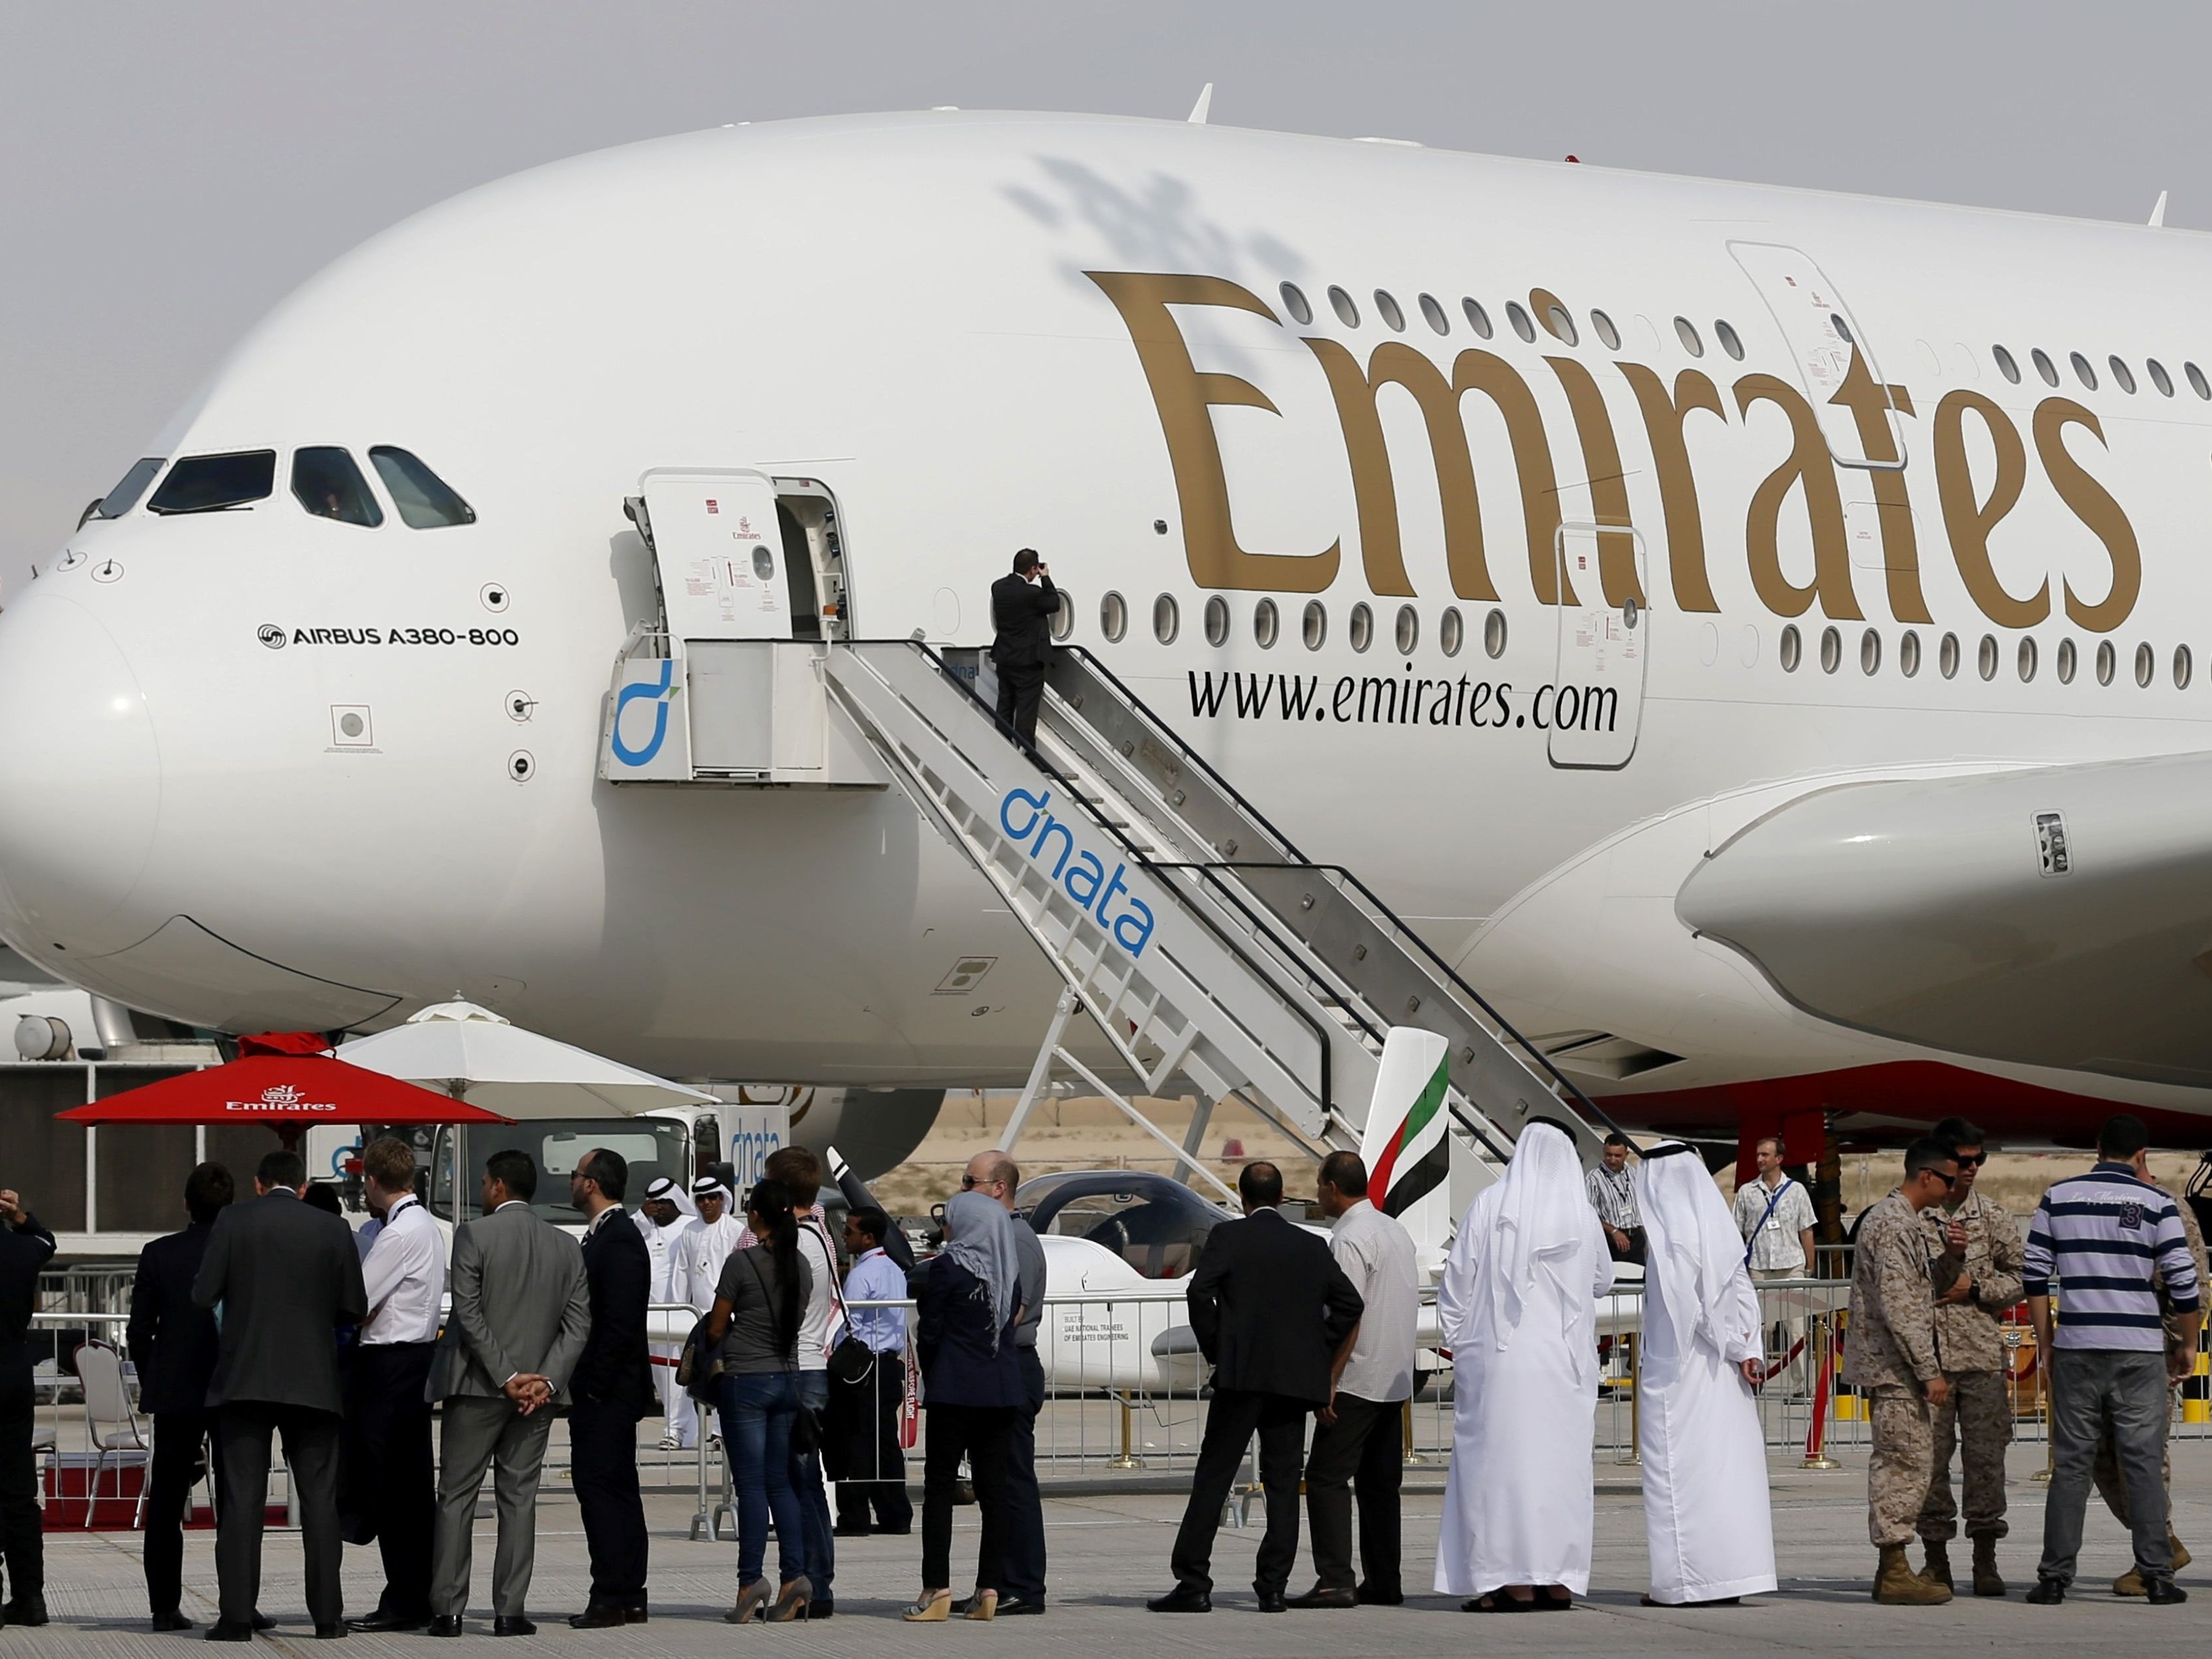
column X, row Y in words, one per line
column 1518, row 1308
column 966, row 1301
column 1705, row 1508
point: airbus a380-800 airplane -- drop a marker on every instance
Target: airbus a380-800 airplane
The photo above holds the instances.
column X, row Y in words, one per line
column 1752, row 633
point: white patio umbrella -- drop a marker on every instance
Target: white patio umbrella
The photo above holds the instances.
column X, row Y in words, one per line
column 474, row 1054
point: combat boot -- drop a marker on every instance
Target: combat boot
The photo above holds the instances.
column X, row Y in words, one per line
column 1938, row 1569
column 2131, row 1582
column 1896, row 1584
column 1988, row 1581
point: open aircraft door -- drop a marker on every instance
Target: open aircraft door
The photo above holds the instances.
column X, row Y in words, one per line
column 725, row 691
column 1592, row 710
column 1830, row 349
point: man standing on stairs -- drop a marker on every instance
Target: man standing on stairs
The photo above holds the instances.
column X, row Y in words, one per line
column 1986, row 1242
column 1022, row 608
column 1894, row 1357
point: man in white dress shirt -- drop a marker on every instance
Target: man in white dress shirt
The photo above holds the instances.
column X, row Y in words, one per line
column 1357, row 1443
column 665, row 1218
column 389, row 1482
column 1775, row 1216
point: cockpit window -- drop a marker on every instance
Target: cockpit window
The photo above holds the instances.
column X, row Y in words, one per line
column 424, row 500
column 329, row 486
column 209, row 483
column 124, row 496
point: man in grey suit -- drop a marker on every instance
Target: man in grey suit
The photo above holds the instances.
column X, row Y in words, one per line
column 281, row 1277
column 521, row 1312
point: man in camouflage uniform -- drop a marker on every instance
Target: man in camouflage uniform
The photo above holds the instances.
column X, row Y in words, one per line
column 1892, row 1355
column 1975, row 1230
column 2106, row 1470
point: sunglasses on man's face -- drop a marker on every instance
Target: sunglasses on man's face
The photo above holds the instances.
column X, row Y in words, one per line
column 1972, row 1161
column 1948, row 1180
column 969, row 1183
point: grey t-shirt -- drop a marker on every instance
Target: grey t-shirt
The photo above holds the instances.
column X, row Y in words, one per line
column 1031, row 1255
column 749, row 1284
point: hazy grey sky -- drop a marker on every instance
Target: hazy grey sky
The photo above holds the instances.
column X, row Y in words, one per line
column 172, row 170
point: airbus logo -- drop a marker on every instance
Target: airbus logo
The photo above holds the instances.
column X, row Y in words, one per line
column 270, row 636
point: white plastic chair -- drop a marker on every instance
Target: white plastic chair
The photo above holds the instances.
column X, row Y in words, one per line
column 110, row 1423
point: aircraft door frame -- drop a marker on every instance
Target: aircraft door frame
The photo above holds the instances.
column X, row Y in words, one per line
column 1601, row 649
column 1824, row 337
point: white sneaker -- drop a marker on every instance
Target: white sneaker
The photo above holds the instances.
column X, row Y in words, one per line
column 668, row 1443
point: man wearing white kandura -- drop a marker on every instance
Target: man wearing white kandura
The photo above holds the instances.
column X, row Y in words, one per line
column 1705, row 1508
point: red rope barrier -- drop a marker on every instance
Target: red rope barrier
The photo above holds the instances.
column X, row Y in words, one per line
column 1768, row 1373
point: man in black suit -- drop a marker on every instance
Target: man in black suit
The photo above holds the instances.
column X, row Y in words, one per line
column 174, row 1344
column 24, row 1248
column 281, row 1277
column 1271, row 1310
column 1022, row 607
column 612, row 1388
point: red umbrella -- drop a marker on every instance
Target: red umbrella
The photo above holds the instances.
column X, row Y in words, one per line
column 286, row 1092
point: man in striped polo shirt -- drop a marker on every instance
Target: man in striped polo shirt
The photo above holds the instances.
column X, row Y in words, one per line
column 2107, row 1237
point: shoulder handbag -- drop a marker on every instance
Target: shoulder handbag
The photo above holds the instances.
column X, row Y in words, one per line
column 850, row 1360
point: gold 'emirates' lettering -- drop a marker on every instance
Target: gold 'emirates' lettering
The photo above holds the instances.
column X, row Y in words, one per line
column 1968, row 520
column 2094, row 505
column 1809, row 471
column 1184, row 397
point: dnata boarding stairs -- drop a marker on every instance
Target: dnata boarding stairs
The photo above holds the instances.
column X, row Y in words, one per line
column 1205, row 947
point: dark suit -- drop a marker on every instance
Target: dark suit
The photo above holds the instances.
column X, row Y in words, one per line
column 23, row 1251
column 286, row 1276
column 613, row 1389
column 173, row 1343
column 1022, row 613
column 1270, row 1308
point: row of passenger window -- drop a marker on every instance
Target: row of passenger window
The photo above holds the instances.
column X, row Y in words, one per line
column 1557, row 319
column 1267, row 624
column 1451, row 636
column 327, row 481
column 1988, row 657
column 2086, row 372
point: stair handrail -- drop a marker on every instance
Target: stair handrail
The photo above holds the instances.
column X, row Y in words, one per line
column 1326, row 1091
column 1506, row 1031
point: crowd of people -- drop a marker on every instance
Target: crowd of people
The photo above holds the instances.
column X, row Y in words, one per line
column 800, row 1366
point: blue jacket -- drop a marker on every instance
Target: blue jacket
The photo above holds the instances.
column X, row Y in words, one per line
column 952, row 1337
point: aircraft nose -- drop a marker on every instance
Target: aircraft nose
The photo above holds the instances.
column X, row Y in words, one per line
column 80, row 778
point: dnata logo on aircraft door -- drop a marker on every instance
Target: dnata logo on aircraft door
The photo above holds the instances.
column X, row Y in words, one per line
column 1080, row 872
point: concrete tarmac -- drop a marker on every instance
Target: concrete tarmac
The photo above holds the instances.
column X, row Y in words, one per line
column 1110, row 1552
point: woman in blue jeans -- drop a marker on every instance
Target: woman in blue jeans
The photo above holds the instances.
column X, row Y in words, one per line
column 966, row 1303
column 758, row 1308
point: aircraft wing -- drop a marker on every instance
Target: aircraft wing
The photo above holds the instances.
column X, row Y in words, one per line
column 2057, row 917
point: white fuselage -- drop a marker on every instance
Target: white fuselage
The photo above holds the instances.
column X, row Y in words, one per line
column 982, row 332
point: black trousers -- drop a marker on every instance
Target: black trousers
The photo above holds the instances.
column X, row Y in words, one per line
column 243, row 1429
column 1360, row 1452
column 981, row 1434
column 1021, row 690
column 1023, row 1578
column 1636, row 1246
column 387, row 1479
column 20, row 1539
column 1234, row 1417
column 603, row 1463
column 861, row 1453
column 179, row 1456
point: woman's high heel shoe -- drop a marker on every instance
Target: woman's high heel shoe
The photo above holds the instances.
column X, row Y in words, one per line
column 793, row 1603
column 985, row 1605
column 934, row 1607
column 751, row 1600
